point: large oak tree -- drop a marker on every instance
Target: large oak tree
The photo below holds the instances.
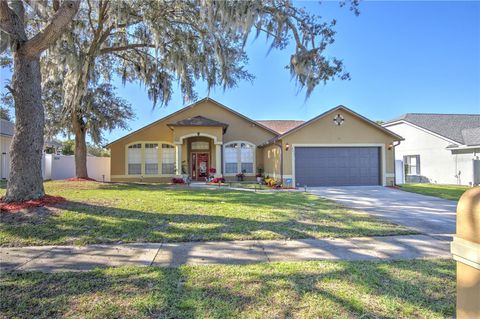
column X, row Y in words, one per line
column 159, row 43
column 26, row 41
column 101, row 110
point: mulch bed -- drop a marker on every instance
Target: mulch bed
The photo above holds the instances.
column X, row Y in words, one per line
column 77, row 179
column 47, row 200
column 394, row 187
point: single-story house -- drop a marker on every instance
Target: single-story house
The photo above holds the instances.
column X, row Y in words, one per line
column 338, row 147
column 6, row 136
column 438, row 148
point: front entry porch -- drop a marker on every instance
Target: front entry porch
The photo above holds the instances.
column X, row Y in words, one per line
column 199, row 157
column 198, row 147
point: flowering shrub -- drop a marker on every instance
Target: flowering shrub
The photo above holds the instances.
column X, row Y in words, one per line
column 273, row 183
column 217, row 180
column 178, row 180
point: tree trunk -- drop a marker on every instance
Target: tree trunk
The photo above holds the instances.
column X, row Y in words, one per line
column 80, row 147
column 25, row 181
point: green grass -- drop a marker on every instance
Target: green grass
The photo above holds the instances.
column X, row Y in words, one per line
column 452, row 192
column 398, row 289
column 106, row 213
column 248, row 185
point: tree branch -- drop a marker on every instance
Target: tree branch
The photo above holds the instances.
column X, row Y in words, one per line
column 45, row 38
column 35, row 5
column 11, row 23
column 126, row 47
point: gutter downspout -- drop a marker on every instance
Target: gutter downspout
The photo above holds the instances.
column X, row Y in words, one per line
column 395, row 164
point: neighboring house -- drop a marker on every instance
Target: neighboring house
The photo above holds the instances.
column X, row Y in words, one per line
column 338, row 147
column 6, row 136
column 53, row 166
column 438, row 148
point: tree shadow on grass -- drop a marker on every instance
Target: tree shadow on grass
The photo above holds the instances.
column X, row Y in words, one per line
column 310, row 290
column 86, row 223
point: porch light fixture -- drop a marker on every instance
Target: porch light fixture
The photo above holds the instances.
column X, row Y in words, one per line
column 287, row 147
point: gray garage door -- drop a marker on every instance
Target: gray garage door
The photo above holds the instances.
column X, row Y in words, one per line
column 337, row 166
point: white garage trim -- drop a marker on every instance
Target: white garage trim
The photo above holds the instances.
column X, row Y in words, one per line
column 383, row 169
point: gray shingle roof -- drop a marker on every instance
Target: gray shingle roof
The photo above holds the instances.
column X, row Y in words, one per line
column 461, row 128
column 471, row 136
column 6, row 128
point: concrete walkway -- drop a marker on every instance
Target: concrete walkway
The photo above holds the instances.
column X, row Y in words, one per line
column 80, row 258
column 426, row 214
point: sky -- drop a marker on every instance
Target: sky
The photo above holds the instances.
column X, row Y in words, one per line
column 402, row 57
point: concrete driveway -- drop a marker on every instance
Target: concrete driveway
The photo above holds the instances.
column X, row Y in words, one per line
column 429, row 215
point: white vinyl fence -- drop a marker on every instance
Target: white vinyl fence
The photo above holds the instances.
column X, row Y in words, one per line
column 57, row 167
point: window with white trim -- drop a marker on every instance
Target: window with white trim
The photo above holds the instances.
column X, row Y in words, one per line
column 246, row 158
column 200, row 145
column 151, row 159
column 135, row 159
column 239, row 157
column 168, row 159
column 231, row 158
column 412, row 164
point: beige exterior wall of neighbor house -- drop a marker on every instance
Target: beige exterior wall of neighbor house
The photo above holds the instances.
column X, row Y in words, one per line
column 239, row 129
column 353, row 132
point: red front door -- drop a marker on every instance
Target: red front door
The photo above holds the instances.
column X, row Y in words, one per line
column 200, row 166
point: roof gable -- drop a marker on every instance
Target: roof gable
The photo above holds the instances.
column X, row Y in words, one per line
column 188, row 107
column 450, row 126
column 335, row 109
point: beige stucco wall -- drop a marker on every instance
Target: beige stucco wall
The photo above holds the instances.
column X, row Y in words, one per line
column 353, row 131
column 216, row 133
column 271, row 161
column 240, row 129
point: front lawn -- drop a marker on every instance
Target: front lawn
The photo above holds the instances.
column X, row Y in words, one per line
column 398, row 289
column 452, row 192
column 106, row 213
column 249, row 185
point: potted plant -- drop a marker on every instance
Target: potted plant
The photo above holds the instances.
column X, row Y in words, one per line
column 259, row 175
column 240, row 176
column 211, row 174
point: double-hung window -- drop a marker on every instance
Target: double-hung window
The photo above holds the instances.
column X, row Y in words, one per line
column 239, row 157
column 151, row 159
column 412, row 164
column 135, row 159
column 168, row 159
column 246, row 158
column 231, row 160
